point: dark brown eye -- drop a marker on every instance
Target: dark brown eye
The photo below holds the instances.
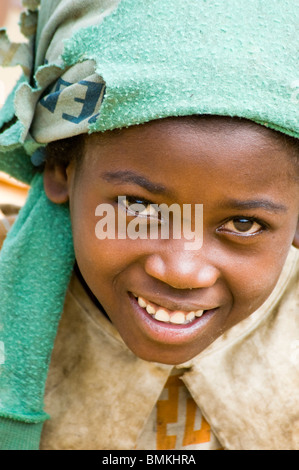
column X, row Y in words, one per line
column 242, row 225
column 139, row 208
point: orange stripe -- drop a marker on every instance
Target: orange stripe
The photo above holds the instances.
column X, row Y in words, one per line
column 191, row 435
column 167, row 412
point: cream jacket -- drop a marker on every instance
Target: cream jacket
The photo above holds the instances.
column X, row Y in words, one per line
column 99, row 394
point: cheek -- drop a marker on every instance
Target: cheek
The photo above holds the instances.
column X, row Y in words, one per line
column 91, row 254
column 101, row 262
column 83, row 226
column 252, row 279
column 97, row 259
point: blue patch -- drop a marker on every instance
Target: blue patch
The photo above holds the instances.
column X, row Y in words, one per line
column 93, row 94
column 89, row 103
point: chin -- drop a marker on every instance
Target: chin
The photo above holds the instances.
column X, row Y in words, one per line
column 167, row 357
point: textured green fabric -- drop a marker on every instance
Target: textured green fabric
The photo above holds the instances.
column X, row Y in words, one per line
column 153, row 59
column 15, row 435
column 231, row 58
column 36, row 263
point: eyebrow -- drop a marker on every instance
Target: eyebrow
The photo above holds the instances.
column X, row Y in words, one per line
column 127, row 176
column 265, row 204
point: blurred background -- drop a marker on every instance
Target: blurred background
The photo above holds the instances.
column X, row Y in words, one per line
column 11, row 191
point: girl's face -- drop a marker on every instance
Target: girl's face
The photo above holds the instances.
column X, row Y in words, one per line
column 245, row 181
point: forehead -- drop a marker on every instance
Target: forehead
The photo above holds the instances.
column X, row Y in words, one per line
column 229, row 129
column 196, row 139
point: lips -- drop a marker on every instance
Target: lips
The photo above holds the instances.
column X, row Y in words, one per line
column 164, row 315
column 166, row 329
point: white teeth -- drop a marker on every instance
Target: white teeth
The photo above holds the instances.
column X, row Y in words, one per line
column 142, row 302
column 190, row 316
column 199, row 313
column 178, row 318
column 162, row 315
column 150, row 309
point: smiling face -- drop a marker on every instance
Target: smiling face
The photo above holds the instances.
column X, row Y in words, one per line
column 245, row 180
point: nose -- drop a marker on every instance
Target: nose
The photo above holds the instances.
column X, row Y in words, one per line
column 182, row 269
